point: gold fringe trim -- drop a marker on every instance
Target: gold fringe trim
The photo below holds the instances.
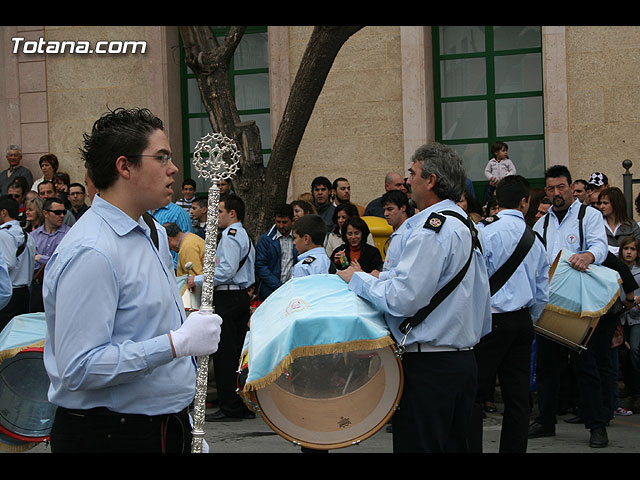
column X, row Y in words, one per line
column 12, row 352
column 598, row 313
column 314, row 350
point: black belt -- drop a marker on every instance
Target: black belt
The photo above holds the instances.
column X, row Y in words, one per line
column 105, row 412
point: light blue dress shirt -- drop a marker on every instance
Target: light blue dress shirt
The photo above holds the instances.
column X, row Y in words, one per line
column 529, row 284
column 233, row 247
column 5, row 282
column 311, row 262
column 565, row 235
column 110, row 300
column 428, row 261
column 20, row 268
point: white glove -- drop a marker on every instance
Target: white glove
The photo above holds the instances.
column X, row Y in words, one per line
column 198, row 335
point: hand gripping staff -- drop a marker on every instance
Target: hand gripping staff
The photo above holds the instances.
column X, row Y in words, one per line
column 216, row 158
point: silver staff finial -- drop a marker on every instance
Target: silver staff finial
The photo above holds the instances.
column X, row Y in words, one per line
column 216, row 157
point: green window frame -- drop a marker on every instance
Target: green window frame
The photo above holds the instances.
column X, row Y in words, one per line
column 195, row 121
column 458, row 84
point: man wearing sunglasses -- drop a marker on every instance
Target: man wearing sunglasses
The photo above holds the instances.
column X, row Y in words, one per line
column 118, row 349
column 47, row 237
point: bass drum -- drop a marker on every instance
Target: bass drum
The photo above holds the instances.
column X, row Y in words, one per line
column 333, row 401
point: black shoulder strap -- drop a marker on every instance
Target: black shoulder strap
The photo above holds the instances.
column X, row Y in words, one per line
column 245, row 257
column 439, row 297
column 149, row 220
column 583, row 210
column 21, row 248
column 503, row 274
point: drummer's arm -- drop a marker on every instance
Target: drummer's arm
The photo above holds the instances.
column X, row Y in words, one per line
column 595, row 237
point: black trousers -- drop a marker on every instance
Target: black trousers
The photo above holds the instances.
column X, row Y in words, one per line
column 506, row 352
column 434, row 413
column 233, row 307
column 594, row 376
column 18, row 305
column 100, row 430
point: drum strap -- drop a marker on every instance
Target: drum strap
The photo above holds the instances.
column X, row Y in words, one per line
column 503, row 274
column 439, row 297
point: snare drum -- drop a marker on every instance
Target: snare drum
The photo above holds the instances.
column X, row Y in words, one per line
column 320, row 366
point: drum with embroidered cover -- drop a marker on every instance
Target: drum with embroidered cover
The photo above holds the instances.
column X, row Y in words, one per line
column 322, row 369
column 576, row 301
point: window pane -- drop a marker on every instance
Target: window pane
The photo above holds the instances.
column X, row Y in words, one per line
column 463, row 77
column 252, row 52
column 528, row 157
column 252, row 91
column 263, row 120
column 198, row 128
column 195, row 98
column 475, row 156
column 518, row 73
column 510, row 38
column 464, row 120
column 461, row 39
column 519, row 116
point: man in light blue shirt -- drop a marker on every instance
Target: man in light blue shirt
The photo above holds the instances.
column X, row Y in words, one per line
column 19, row 251
column 172, row 213
column 233, row 274
column 118, row 347
column 396, row 208
column 573, row 226
column 515, row 304
column 439, row 365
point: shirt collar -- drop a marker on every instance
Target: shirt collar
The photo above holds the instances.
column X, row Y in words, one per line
column 576, row 204
column 120, row 222
column 512, row 212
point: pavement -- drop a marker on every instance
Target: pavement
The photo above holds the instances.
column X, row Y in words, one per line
column 255, row 436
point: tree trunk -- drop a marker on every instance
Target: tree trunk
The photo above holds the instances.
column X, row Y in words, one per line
column 261, row 188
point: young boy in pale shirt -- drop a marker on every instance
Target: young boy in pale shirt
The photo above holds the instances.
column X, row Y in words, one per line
column 308, row 233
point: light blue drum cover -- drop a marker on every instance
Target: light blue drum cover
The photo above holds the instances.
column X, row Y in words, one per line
column 582, row 294
column 309, row 316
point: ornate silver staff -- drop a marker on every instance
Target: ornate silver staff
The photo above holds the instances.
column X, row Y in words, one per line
column 216, row 158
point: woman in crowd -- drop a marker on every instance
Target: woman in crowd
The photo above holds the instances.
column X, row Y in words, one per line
column 342, row 212
column 617, row 223
column 33, row 214
column 49, row 165
column 301, row 208
column 61, row 182
column 469, row 204
column 355, row 250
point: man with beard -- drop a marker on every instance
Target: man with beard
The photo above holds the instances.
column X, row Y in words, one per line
column 569, row 225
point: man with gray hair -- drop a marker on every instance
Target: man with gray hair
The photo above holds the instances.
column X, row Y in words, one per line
column 14, row 158
column 437, row 305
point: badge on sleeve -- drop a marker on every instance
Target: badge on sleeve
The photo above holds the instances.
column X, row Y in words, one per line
column 435, row 222
column 232, row 232
column 308, row 260
column 490, row 220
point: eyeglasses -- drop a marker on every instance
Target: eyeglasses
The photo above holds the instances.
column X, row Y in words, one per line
column 163, row 159
column 56, row 212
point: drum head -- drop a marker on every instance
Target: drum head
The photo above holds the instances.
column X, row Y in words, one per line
column 25, row 412
column 333, row 401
